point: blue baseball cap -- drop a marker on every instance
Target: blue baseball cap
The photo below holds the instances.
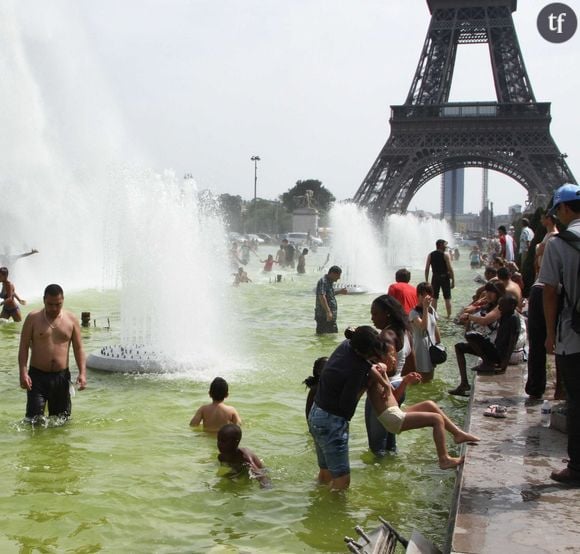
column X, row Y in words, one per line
column 566, row 193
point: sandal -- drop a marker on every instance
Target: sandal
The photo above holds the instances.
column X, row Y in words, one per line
column 496, row 411
column 461, row 390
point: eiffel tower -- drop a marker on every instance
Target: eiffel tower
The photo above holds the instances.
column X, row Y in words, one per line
column 430, row 135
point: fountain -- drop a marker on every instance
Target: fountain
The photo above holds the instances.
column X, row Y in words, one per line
column 173, row 274
column 75, row 188
column 369, row 257
column 357, row 249
column 409, row 239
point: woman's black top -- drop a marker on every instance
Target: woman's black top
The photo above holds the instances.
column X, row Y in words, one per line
column 345, row 375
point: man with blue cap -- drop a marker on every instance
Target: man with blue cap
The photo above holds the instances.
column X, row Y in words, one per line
column 560, row 273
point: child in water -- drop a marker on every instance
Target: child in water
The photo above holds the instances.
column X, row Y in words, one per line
column 217, row 414
column 240, row 459
column 417, row 416
column 312, row 382
column 268, row 263
column 301, row 267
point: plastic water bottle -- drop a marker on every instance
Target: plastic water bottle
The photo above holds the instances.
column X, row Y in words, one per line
column 546, row 413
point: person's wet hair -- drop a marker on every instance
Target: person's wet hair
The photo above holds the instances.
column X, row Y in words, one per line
column 4, row 271
column 218, row 390
column 491, row 271
column 508, row 303
column 403, row 275
column 440, row 242
column 366, row 341
column 335, row 269
column 53, row 290
column 392, row 307
column 424, row 289
column 317, row 368
column 503, row 273
column 230, row 430
column 495, row 286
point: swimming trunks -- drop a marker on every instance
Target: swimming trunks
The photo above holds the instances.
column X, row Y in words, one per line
column 50, row 387
column 392, row 419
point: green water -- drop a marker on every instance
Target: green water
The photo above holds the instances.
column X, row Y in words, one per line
column 127, row 474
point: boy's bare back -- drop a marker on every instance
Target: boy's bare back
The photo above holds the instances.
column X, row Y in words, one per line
column 214, row 416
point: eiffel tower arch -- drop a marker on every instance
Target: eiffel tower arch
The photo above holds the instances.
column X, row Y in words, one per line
column 430, row 135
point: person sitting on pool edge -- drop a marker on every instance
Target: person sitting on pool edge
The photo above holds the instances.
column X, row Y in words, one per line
column 423, row 414
column 495, row 355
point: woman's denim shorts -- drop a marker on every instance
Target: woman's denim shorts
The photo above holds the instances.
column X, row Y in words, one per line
column 330, row 434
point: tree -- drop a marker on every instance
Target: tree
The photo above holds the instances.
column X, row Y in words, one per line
column 322, row 197
column 232, row 210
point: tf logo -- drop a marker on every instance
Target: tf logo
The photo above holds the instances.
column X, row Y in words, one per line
column 557, row 22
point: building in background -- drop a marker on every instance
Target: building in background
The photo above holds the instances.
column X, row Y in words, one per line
column 452, row 192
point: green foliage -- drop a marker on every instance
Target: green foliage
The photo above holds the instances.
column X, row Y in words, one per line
column 232, row 210
column 322, row 198
column 265, row 216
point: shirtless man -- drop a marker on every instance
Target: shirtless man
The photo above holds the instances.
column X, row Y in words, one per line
column 512, row 287
column 48, row 334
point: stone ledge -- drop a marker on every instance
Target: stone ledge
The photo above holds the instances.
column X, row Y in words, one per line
column 505, row 499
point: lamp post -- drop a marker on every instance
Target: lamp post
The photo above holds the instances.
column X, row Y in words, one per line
column 255, row 159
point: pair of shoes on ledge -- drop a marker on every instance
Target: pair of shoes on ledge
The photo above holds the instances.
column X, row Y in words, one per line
column 567, row 476
column 495, row 410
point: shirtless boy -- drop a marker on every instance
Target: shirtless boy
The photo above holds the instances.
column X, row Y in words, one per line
column 240, row 459
column 48, row 334
column 217, row 414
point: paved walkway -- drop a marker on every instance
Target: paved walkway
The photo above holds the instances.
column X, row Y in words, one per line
column 506, row 500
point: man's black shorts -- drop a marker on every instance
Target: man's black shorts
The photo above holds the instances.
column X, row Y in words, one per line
column 50, row 387
column 441, row 282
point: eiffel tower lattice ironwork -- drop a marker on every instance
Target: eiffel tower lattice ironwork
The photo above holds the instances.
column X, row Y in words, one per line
column 429, row 135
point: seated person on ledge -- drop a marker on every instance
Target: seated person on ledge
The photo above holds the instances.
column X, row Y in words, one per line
column 417, row 416
column 495, row 355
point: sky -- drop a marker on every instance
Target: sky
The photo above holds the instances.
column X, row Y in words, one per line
column 200, row 86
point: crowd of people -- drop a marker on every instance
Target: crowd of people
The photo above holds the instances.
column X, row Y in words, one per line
column 288, row 256
column 500, row 326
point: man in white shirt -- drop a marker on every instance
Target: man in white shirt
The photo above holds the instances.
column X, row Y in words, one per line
column 526, row 237
column 506, row 243
column 561, row 268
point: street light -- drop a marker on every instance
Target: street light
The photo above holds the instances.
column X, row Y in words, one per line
column 255, row 159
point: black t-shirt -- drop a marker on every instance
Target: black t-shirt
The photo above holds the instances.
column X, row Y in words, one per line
column 345, row 375
column 509, row 326
column 438, row 263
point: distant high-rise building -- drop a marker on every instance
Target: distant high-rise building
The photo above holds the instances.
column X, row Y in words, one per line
column 452, row 185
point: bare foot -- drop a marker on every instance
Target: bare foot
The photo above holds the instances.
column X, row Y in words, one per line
column 450, row 463
column 465, row 437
